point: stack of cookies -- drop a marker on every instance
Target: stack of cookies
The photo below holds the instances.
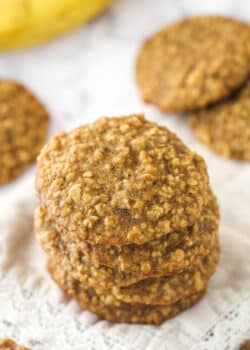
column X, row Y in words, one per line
column 127, row 218
column 201, row 65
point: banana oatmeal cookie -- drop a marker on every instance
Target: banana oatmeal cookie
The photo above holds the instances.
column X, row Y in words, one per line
column 167, row 254
column 168, row 290
column 103, row 277
column 121, row 180
column 8, row 344
column 154, row 291
column 120, row 312
column 225, row 127
column 193, row 63
column 245, row 345
column 23, row 129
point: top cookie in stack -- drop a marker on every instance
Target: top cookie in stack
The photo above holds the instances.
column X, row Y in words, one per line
column 127, row 218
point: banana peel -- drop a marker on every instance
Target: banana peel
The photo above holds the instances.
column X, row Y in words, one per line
column 28, row 22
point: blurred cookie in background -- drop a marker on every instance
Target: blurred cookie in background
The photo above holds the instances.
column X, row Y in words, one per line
column 8, row 344
column 24, row 124
column 193, row 63
column 225, row 127
column 246, row 345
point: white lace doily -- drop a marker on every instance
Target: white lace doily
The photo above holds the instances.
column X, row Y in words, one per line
column 34, row 312
column 84, row 75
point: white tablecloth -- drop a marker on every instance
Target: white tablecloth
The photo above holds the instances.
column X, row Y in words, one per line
column 81, row 76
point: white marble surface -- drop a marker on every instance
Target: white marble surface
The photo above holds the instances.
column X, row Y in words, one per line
column 89, row 73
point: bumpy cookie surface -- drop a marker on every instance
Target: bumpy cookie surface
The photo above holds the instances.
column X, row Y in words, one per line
column 225, row 127
column 193, row 63
column 104, row 277
column 121, row 180
column 119, row 311
column 8, row 344
column 170, row 253
column 23, row 129
column 168, row 290
column 155, row 291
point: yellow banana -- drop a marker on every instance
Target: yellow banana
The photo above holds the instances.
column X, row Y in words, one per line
column 27, row 22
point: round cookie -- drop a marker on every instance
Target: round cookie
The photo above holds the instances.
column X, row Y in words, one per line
column 23, row 129
column 120, row 312
column 225, row 128
column 8, row 344
column 104, row 277
column 162, row 256
column 194, row 63
column 155, row 291
column 168, row 290
column 121, row 180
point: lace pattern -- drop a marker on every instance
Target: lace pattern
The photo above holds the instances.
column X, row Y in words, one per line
column 33, row 311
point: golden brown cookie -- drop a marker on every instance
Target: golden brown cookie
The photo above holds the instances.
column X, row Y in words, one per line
column 104, row 277
column 120, row 312
column 8, row 344
column 168, row 290
column 194, row 62
column 245, row 345
column 23, row 129
column 154, row 291
column 121, row 180
column 170, row 253
column 225, row 127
